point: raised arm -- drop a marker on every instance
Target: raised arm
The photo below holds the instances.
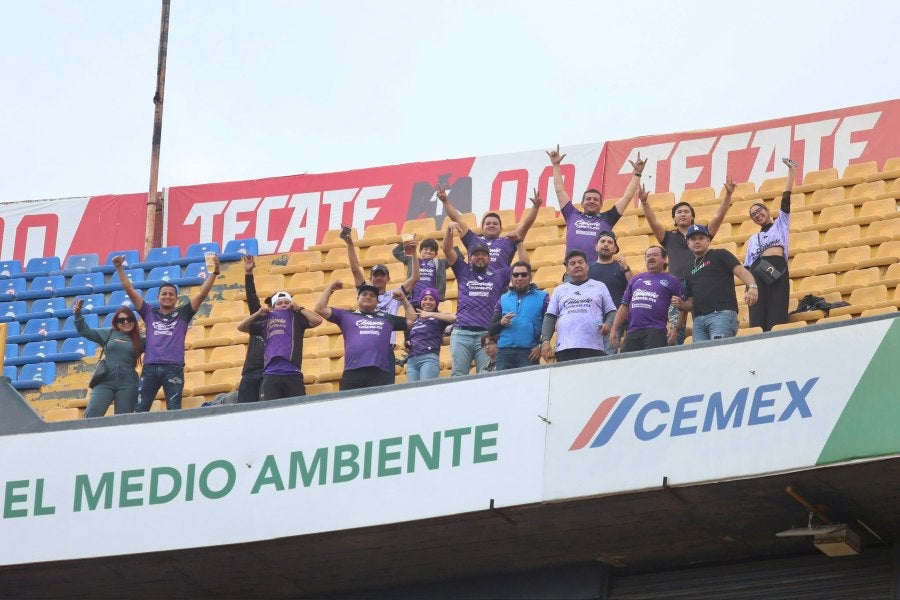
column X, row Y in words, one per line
column 528, row 220
column 359, row 277
column 314, row 319
column 658, row 230
column 253, row 302
column 792, row 168
column 558, row 184
column 451, row 211
column 717, row 219
column 408, row 309
column 133, row 294
column 244, row 325
column 322, row 308
column 638, row 166
column 413, row 278
column 447, row 244
column 82, row 327
column 201, row 295
column 751, row 295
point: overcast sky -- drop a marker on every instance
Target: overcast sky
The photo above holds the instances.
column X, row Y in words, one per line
column 262, row 88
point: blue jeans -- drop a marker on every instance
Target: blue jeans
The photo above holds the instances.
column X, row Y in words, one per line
column 715, row 326
column 170, row 377
column 513, row 358
column 464, row 346
column 422, row 367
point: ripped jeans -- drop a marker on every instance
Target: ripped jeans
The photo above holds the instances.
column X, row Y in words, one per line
column 169, row 376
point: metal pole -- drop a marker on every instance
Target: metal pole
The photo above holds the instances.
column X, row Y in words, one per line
column 154, row 199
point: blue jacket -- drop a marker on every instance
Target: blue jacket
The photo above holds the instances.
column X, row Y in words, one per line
column 524, row 331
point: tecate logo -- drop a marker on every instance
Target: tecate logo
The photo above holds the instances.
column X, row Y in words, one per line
column 696, row 414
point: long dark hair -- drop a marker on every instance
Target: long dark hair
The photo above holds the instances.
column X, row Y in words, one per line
column 135, row 334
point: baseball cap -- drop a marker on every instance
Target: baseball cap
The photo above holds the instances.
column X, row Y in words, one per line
column 280, row 296
column 381, row 268
column 608, row 234
column 366, row 288
column 697, row 229
column 479, row 247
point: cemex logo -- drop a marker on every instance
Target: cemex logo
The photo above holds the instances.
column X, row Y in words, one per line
column 697, row 413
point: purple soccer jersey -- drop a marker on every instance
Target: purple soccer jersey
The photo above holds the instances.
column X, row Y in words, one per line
column 367, row 337
column 648, row 297
column 284, row 341
column 165, row 334
column 582, row 230
column 501, row 249
column 478, row 293
column 426, row 335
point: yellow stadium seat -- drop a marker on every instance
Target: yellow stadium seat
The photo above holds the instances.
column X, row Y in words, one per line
column 854, row 174
column 872, row 312
column 55, row 415
column 223, row 357
column 220, row 381
column 891, row 275
column 768, row 189
column 266, row 285
column 312, row 367
column 547, row 216
column 830, row 319
column 699, row 197
column 890, row 170
column 838, row 237
column 879, row 232
column 633, row 245
column 306, row 282
column 376, row 255
column 313, row 345
column 893, row 191
column 815, row 284
column 862, row 299
column 631, row 225
column 825, row 197
column 845, row 259
column 547, row 256
column 193, row 359
column 344, row 298
column 334, row 373
column 741, row 191
column 739, row 212
column 886, row 254
column 549, row 276
column 335, row 346
column 319, row 388
column 194, row 333
column 877, row 210
column 794, row 325
column 862, row 192
column 192, row 379
column 816, row 180
column 378, row 235
column 834, row 216
column 805, row 264
column 422, row 227
column 221, row 334
column 662, row 202
column 335, row 258
column 221, row 312
column 542, row 236
column 507, row 218
column 801, row 220
column 747, row 331
column 332, row 239
column 297, row 262
column 894, row 300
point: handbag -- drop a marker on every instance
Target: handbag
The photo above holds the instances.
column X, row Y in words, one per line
column 766, row 271
column 100, row 371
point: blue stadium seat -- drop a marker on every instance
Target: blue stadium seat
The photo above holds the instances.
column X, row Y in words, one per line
column 9, row 310
column 75, row 348
column 160, row 257
column 13, row 328
column 91, row 302
column 81, row 284
column 10, row 288
column 41, row 267
column 196, row 253
column 11, row 353
column 44, row 286
column 10, row 268
column 11, row 372
column 79, row 263
column 135, row 275
column 34, row 352
column 35, row 330
column 116, row 299
column 151, row 297
column 68, row 327
column 236, row 249
column 45, row 308
column 159, row 275
column 132, row 257
column 35, row 375
column 194, row 274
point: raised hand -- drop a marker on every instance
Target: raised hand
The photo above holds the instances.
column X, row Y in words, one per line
column 555, row 157
column 643, row 194
column 790, row 164
column 536, row 198
column 118, row 261
column 77, row 306
column 729, row 185
column 249, row 264
column 638, row 165
column 442, row 193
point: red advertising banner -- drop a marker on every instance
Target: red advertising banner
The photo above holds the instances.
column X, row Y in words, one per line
column 752, row 152
column 100, row 224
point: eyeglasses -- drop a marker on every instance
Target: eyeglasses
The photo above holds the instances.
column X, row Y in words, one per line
column 123, row 320
column 520, row 274
column 756, row 213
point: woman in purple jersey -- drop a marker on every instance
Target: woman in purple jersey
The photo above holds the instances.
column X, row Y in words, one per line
column 767, row 253
column 424, row 340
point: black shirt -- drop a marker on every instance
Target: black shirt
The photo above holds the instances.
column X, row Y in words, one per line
column 710, row 282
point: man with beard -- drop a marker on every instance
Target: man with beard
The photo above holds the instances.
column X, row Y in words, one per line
column 582, row 228
column 577, row 312
column 645, row 305
column 615, row 273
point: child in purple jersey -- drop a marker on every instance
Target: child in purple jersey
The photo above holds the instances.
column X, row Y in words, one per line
column 432, row 270
column 645, row 304
column 582, row 228
column 501, row 249
column 283, row 327
column 425, row 337
column 769, row 248
column 166, row 329
column 368, row 351
column 479, row 288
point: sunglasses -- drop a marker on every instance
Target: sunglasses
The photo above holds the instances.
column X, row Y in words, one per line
column 123, row 320
column 520, row 274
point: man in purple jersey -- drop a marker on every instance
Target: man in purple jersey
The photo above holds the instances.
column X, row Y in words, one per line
column 283, row 327
column 645, row 305
column 368, row 350
column 166, row 329
column 582, row 228
column 502, row 249
column 479, row 286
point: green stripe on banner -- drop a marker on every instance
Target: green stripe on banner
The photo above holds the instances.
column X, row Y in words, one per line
column 870, row 423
